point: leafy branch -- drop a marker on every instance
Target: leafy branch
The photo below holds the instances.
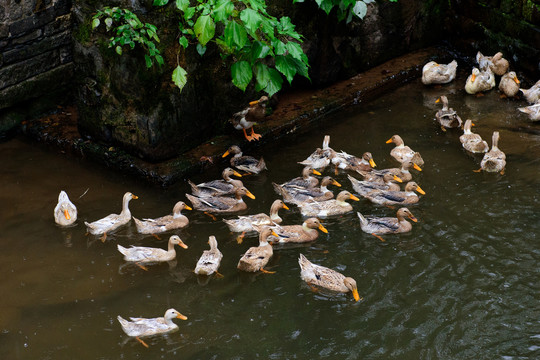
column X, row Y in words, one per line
column 130, row 31
column 346, row 9
column 262, row 47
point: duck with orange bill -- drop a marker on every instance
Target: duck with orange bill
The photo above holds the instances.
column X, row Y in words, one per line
column 349, row 162
column 317, row 275
column 447, row 117
column 472, row 142
column 247, row 223
column 65, row 212
column 247, row 118
column 435, row 73
column 383, row 197
column 337, row 206
column 227, row 186
column 113, row 221
column 221, row 204
column 376, row 225
column 295, row 196
column 402, row 173
column 143, row 254
column 363, row 187
column 244, row 162
column 306, row 232
column 403, row 153
column 256, row 258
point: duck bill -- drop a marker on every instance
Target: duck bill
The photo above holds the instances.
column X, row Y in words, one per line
column 355, row 295
column 336, row 183
column 438, row 101
column 225, row 154
column 389, row 141
column 182, row 245
column 285, row 207
column 134, row 197
column 352, row 197
column 472, row 124
column 398, row 179
column 323, row 229
column 417, row 167
column 411, row 216
column 372, row 163
column 315, row 172
column 419, row 189
column 237, row 174
column 473, row 77
column 187, row 207
column 253, row 103
column 250, row 195
column 274, row 233
column 516, row 80
column 66, row 214
column 181, row 317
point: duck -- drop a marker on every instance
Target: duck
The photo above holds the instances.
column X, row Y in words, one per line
column 139, row 327
column 447, row 117
column 532, row 94
column 321, row 157
column 243, row 162
column 496, row 63
column 165, row 223
column 402, row 173
column 337, row 206
column 495, row 159
column 221, row 204
column 472, row 142
column 210, row 260
column 509, row 84
column 403, row 153
column 113, row 221
column 294, row 196
column 65, row 212
column 484, row 62
column 435, row 73
column 345, row 161
column 306, row 232
column 304, row 182
column 387, row 225
column 142, row 254
column 533, row 111
column 317, row 275
column 256, row 257
column 408, row 196
column 363, row 187
column 246, row 223
column 247, row 118
column 479, row 81
column 227, row 186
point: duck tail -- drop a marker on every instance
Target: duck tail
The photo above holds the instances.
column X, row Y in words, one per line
column 326, row 142
column 122, row 250
column 194, row 188
column 303, row 261
column 278, row 188
column 262, row 164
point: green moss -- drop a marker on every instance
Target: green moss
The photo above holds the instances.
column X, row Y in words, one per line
column 83, row 32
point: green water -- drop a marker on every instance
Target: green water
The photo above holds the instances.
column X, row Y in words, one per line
column 463, row 284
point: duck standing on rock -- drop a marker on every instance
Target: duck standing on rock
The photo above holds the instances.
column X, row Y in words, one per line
column 65, row 212
column 112, row 221
column 447, row 117
column 247, row 118
column 317, row 275
column 435, row 73
column 509, row 84
column 244, row 162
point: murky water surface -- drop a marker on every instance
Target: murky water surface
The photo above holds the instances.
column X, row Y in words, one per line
column 464, row 284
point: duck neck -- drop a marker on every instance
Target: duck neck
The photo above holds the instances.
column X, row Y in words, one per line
column 125, row 208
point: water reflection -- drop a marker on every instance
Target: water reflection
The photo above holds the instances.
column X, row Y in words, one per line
column 462, row 282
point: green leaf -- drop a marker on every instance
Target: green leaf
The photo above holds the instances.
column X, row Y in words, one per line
column 274, row 83
column 286, row 66
column 188, row 13
column 252, row 19
column 325, row 5
column 285, row 25
column 235, row 34
column 301, row 68
column 259, row 50
column 159, row 60
column 360, row 9
column 160, row 2
column 279, row 47
column 201, row 49
column 296, row 51
column 118, row 50
column 179, row 77
column 241, row 74
column 182, row 5
column 183, row 41
column 256, row 4
column 222, row 10
column 95, row 23
column 204, row 29
column 262, row 75
column 108, row 22
column 148, row 61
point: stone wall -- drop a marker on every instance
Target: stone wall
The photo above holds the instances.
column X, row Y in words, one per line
column 36, row 62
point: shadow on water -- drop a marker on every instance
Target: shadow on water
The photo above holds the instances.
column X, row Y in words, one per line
column 463, row 282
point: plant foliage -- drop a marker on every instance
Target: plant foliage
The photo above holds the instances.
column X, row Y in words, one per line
column 346, row 9
column 129, row 31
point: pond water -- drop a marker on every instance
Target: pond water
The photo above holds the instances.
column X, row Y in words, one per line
column 463, row 284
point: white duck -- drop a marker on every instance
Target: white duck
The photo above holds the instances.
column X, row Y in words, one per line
column 146, row 327
column 142, row 254
column 533, row 111
column 246, row 223
column 210, row 259
column 165, row 223
column 532, row 94
column 331, row 207
column 435, row 73
column 65, row 212
column 403, row 153
column 113, row 221
column 479, row 81
column 320, row 158
column 472, row 142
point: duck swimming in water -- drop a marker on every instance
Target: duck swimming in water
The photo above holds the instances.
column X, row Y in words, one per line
column 65, row 212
